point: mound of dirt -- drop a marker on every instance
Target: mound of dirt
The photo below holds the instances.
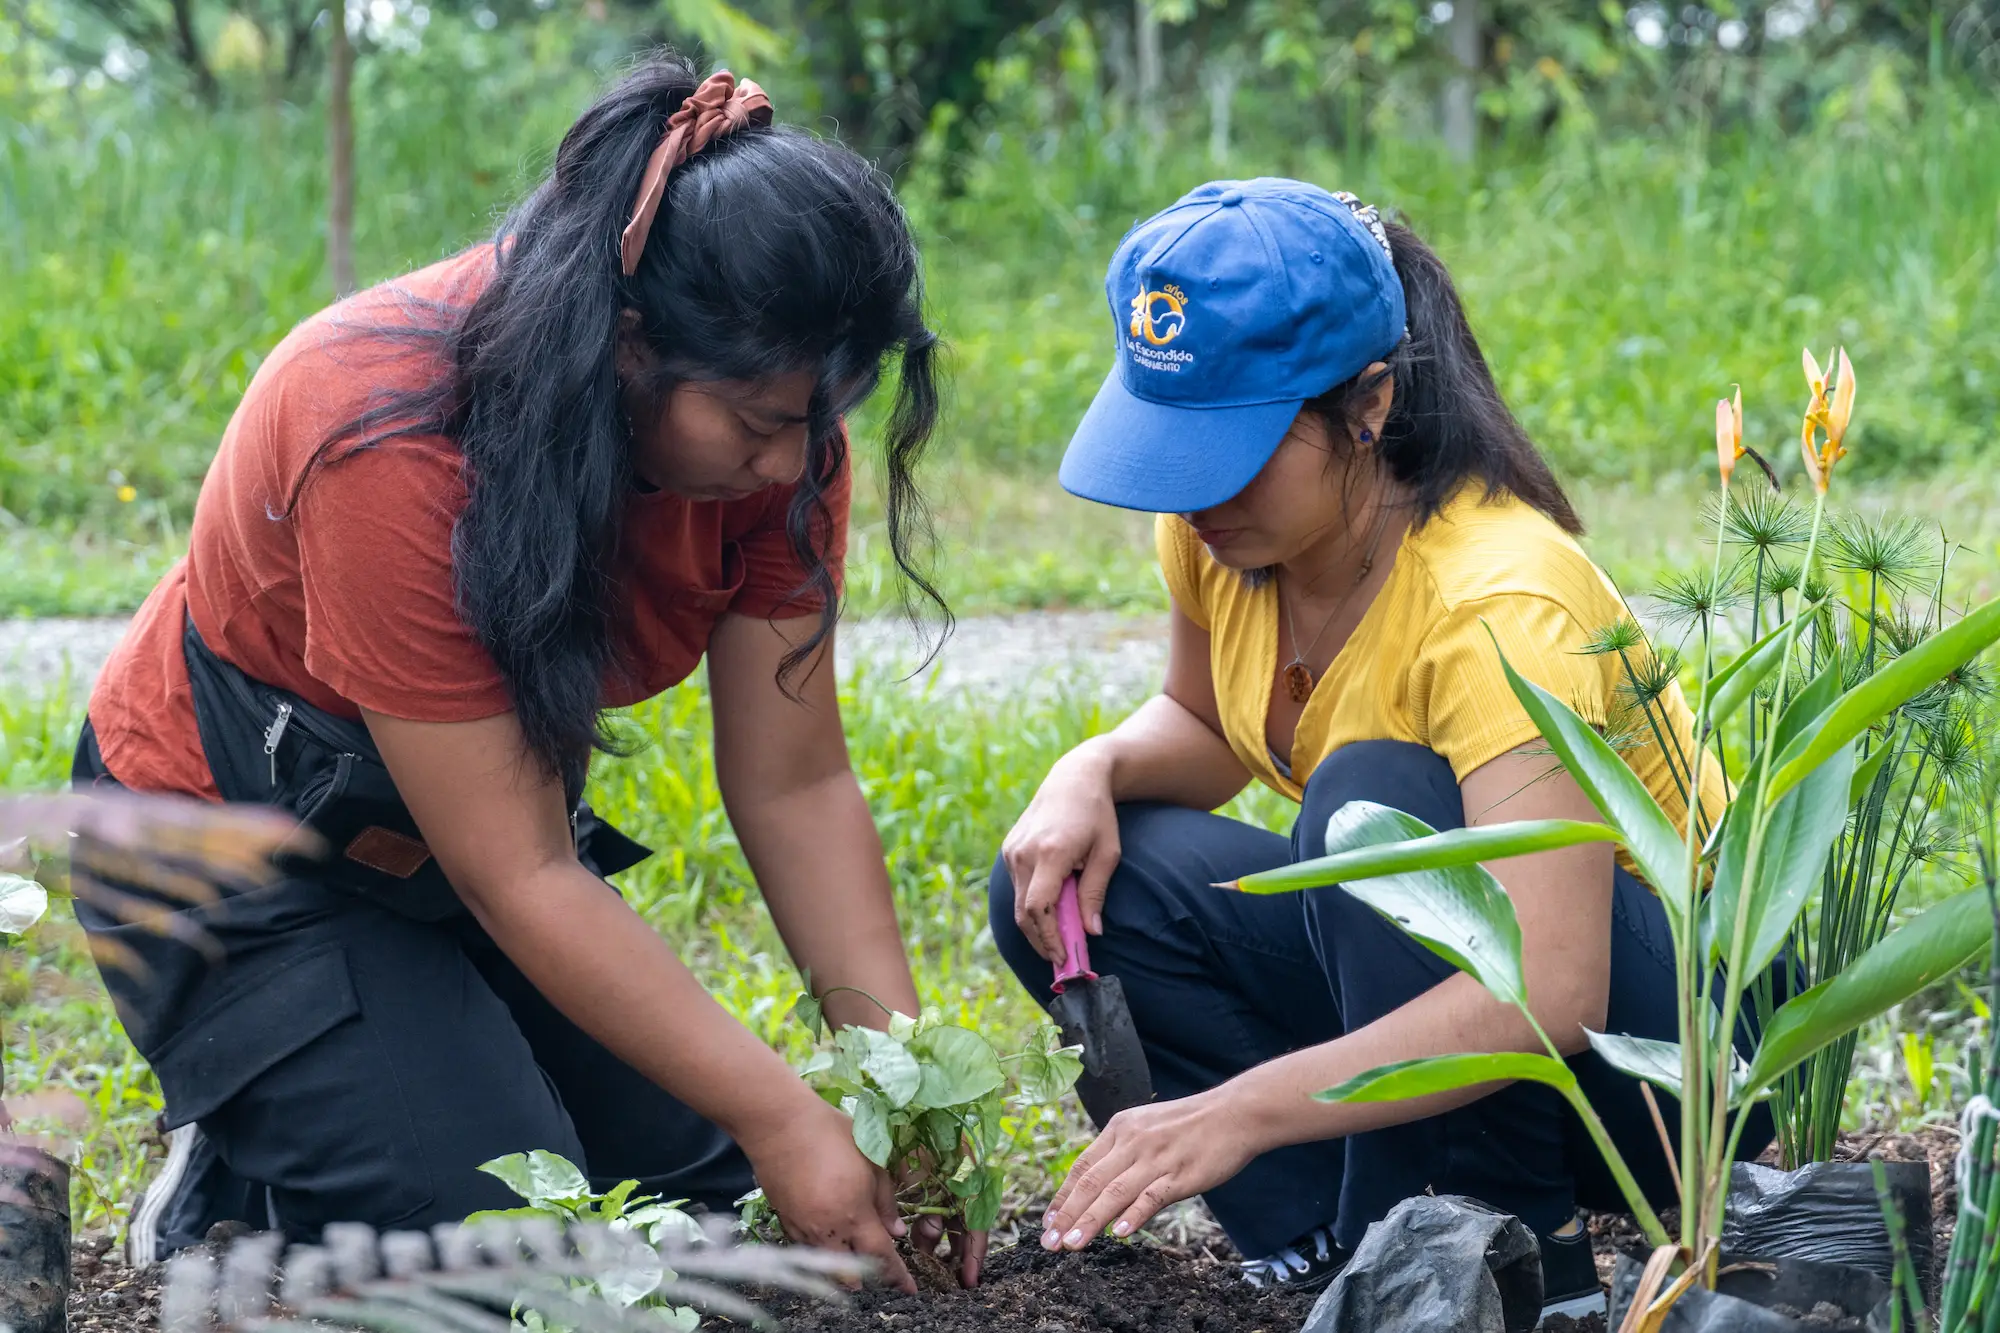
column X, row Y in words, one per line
column 1108, row 1288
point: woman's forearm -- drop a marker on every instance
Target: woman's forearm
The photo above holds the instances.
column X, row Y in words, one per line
column 613, row 976
column 1163, row 752
column 1274, row 1101
column 818, row 862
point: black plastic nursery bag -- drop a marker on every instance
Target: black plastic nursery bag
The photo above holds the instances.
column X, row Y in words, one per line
column 1437, row 1262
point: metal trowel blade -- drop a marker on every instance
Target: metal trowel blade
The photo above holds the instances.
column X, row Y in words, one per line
column 1095, row 1016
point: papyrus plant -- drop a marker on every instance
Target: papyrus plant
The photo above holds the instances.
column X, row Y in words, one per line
column 1732, row 896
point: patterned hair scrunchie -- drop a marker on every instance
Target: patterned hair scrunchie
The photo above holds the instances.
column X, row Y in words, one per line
column 1370, row 217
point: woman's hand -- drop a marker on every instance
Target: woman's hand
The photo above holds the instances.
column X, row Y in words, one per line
column 827, row 1194
column 1070, row 828
column 967, row 1250
column 1146, row 1158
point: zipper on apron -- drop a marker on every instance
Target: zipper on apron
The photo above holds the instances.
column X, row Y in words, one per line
column 274, row 734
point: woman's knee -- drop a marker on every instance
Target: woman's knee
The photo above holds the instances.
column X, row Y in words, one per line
column 1399, row 774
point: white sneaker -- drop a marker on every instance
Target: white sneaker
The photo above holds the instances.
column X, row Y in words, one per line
column 142, row 1233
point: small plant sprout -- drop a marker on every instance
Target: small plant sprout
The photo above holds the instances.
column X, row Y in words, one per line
column 625, row 1276
column 931, row 1103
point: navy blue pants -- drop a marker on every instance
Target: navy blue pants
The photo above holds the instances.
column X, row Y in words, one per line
column 1219, row 982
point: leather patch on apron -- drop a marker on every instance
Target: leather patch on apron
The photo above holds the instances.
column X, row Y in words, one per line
column 388, row 851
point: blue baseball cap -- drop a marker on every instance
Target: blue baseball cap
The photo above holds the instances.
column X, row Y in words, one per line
column 1232, row 308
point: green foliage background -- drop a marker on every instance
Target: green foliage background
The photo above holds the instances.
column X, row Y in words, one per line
column 1641, row 229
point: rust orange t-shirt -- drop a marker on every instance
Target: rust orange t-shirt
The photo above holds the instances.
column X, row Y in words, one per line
column 347, row 600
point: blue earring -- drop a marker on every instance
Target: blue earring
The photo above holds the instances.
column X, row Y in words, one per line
column 1368, row 437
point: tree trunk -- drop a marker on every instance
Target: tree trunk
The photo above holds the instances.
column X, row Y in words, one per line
column 1461, row 111
column 1219, row 80
column 1146, row 45
column 340, row 153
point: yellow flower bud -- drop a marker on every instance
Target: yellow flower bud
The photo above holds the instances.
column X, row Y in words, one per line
column 1828, row 411
column 1841, row 409
column 1810, row 455
column 127, row 494
column 1728, row 434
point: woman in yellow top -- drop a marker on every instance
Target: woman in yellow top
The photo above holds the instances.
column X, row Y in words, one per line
column 1353, row 529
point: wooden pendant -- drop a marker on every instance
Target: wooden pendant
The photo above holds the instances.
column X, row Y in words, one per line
column 1299, row 681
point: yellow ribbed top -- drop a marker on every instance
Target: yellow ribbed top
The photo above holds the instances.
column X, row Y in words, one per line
column 1421, row 666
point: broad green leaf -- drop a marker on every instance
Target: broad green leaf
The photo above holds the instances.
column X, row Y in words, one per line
column 1894, row 685
column 1799, row 833
column 1737, row 683
column 1805, row 707
column 541, row 1177
column 941, row 1133
column 22, row 902
column 1446, row 1073
column 1458, row 847
column 871, row 1127
column 1909, row 958
column 1865, row 771
column 663, row 1222
column 1048, row 1069
column 819, row 1062
column 1612, row 787
column 1657, row 1062
column 982, row 1209
column 958, row 1065
column 808, row 1011
column 1459, row 913
column 887, row 1061
column 624, row 1268
column 612, row 1204
column 986, row 1123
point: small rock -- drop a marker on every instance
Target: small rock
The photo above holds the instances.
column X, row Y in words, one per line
column 224, row 1232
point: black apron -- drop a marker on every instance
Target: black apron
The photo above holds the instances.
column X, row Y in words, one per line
column 267, row 746
column 351, row 1042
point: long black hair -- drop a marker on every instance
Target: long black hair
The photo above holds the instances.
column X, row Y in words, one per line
column 1447, row 423
column 773, row 252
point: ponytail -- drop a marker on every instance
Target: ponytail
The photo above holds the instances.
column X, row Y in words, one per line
column 1447, row 422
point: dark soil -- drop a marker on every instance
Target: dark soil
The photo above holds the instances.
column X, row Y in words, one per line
column 1824, row 1315
column 1562, row 1323
column 106, row 1296
column 1108, row 1288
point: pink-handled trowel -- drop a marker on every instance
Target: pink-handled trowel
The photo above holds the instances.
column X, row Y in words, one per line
column 1092, row 1013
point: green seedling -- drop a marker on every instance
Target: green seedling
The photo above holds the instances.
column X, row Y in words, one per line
column 931, row 1103
column 633, row 1277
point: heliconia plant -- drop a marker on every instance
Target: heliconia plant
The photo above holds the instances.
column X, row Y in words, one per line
column 1733, row 893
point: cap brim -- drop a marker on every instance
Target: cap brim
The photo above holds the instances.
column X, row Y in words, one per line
column 1163, row 459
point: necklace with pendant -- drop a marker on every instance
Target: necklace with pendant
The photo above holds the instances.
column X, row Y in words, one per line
column 1299, row 678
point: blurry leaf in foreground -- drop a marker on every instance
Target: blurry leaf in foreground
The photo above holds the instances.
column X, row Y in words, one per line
column 457, row 1278
column 22, row 902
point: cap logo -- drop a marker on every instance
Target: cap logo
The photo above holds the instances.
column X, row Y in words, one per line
column 1159, row 316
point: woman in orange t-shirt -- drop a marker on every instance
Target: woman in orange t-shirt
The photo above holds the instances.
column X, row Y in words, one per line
column 453, row 519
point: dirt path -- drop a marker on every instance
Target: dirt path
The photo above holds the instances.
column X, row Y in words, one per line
column 1106, row 653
